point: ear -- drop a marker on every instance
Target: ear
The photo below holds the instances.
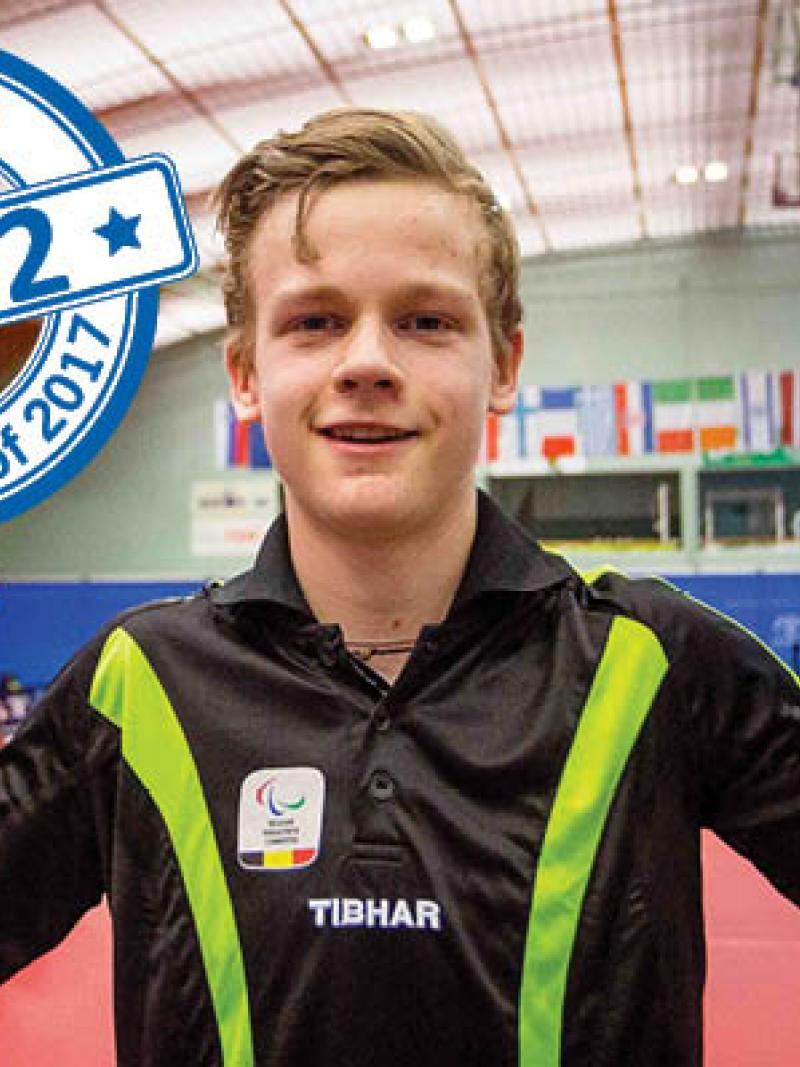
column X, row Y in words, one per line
column 505, row 375
column 243, row 379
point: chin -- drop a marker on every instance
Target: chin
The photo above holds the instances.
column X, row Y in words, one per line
column 372, row 508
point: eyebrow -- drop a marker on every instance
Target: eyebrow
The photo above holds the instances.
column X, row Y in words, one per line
column 315, row 294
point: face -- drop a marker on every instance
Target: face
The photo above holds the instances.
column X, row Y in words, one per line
column 372, row 368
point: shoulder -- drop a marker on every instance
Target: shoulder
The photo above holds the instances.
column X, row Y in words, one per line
column 703, row 645
column 148, row 624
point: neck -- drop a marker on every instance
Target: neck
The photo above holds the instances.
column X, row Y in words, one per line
column 381, row 590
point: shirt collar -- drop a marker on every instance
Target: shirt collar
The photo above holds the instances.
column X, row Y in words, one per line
column 504, row 559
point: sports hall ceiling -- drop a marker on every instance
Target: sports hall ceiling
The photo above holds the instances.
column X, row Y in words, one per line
column 580, row 112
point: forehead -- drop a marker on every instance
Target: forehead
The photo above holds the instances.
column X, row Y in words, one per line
column 368, row 232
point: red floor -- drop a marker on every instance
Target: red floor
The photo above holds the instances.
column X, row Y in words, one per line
column 59, row 1010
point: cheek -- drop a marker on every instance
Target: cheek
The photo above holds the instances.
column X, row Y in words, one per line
column 467, row 392
column 286, row 388
column 463, row 410
column 288, row 399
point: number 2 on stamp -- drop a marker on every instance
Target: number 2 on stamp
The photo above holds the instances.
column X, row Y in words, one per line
column 26, row 285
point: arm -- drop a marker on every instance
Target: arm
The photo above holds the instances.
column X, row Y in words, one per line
column 55, row 785
column 747, row 704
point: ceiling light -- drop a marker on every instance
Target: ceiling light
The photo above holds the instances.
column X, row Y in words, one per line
column 686, row 174
column 419, row 29
column 716, row 171
column 379, row 37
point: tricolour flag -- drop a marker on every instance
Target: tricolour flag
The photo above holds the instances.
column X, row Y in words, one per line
column 633, row 418
column 716, row 413
column 596, row 424
column 789, row 385
column 759, row 411
column 238, row 444
column 673, row 429
column 551, row 422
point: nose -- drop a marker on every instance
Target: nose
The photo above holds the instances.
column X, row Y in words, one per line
column 366, row 362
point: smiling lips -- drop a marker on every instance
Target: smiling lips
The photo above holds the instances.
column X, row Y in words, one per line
column 366, row 433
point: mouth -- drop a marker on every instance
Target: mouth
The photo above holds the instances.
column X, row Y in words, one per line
column 367, row 434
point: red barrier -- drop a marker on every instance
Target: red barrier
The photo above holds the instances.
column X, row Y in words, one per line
column 58, row 1011
column 753, row 984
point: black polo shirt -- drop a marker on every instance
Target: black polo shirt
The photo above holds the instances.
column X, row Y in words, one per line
column 307, row 866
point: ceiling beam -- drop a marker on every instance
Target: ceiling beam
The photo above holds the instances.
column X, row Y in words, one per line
column 505, row 140
column 752, row 109
column 192, row 99
column 316, row 51
column 627, row 122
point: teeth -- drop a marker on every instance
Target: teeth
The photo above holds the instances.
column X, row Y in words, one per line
column 371, row 433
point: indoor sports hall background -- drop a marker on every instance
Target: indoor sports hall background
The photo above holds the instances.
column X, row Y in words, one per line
column 649, row 151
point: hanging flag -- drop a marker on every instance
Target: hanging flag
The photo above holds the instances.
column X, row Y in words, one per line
column 525, row 413
column 673, row 415
column 790, row 408
column 238, row 444
column 596, row 423
column 490, row 446
column 716, row 413
column 759, row 411
column 633, row 416
column 551, row 423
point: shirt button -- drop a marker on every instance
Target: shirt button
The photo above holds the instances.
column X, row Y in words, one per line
column 382, row 720
column 381, row 786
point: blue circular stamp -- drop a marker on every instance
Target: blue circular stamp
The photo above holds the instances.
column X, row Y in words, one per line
column 86, row 239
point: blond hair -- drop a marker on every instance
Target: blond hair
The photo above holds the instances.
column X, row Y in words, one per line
column 361, row 143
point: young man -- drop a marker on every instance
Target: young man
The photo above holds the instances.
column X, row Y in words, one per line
column 410, row 791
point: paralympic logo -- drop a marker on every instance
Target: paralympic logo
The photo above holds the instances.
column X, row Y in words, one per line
column 80, row 227
column 266, row 796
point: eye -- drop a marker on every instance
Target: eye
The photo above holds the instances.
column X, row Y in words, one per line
column 425, row 323
column 315, row 323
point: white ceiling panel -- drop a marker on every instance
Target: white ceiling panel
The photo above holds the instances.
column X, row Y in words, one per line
column 80, row 48
column 203, row 27
column 210, row 246
column 441, row 89
column 576, row 230
column 541, row 16
column 170, row 330
column 200, row 155
column 497, row 169
column 529, row 233
column 259, row 119
column 338, row 29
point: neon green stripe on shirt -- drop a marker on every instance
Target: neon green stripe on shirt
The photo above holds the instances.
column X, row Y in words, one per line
column 622, row 691
column 126, row 690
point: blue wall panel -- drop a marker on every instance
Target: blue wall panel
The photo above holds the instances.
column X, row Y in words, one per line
column 767, row 604
column 43, row 624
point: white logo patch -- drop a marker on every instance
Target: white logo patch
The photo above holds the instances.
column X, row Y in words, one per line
column 280, row 818
column 385, row 914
